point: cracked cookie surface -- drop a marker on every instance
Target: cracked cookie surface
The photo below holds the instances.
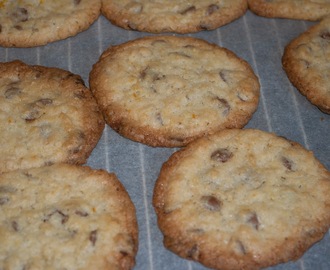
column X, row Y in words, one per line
column 306, row 62
column 47, row 116
column 242, row 199
column 38, row 22
column 167, row 91
column 311, row 10
column 172, row 16
column 66, row 217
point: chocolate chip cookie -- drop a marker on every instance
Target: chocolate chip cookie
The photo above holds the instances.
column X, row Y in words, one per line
column 311, row 10
column 47, row 116
column 66, row 217
column 38, row 22
column 167, row 91
column 306, row 62
column 242, row 199
column 172, row 16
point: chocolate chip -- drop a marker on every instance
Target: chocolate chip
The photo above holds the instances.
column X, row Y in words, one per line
column 193, row 252
column 131, row 26
column 44, row 102
column 81, row 213
column 223, row 75
column 211, row 9
column 196, row 231
column 176, row 140
column 0, row 28
column 64, row 217
column 21, row 14
column 143, row 73
column 189, row 46
column 76, row 2
column 226, row 75
column 221, row 155
column 325, row 35
column 32, row 115
column 79, row 81
column 204, row 26
column 48, row 163
column 225, row 105
column 7, row 189
column 27, row 174
column 4, row 200
column 188, row 10
column 12, row 90
column 287, row 163
column 93, row 237
column 68, row 76
column 75, row 150
column 159, row 118
column 124, row 253
column 211, row 203
column 18, row 27
column 253, row 220
column 180, row 54
column 80, row 94
column 14, row 225
column 34, row 110
column 158, row 77
column 81, row 135
column 240, row 247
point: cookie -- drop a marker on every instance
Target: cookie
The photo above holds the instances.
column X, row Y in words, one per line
column 172, row 16
column 47, row 116
column 294, row 9
column 167, row 91
column 66, row 217
column 242, row 199
column 306, row 63
column 38, row 22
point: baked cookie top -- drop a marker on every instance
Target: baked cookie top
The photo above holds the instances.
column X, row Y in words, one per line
column 38, row 22
column 306, row 61
column 167, row 91
column 242, row 199
column 66, row 217
column 172, row 16
column 47, row 116
column 311, row 10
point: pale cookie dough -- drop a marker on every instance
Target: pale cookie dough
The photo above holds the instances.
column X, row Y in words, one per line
column 66, row 217
column 38, row 22
column 306, row 60
column 311, row 10
column 167, row 91
column 181, row 16
column 47, row 115
column 242, row 199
